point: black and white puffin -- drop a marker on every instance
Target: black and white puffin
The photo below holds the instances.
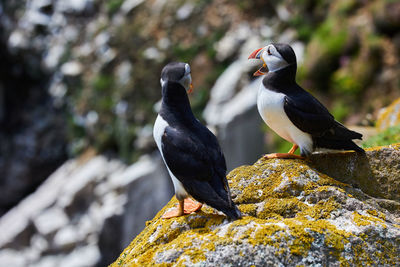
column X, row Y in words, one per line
column 190, row 151
column 292, row 112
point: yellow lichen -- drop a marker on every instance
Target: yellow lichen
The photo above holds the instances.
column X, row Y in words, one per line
column 364, row 220
column 390, row 116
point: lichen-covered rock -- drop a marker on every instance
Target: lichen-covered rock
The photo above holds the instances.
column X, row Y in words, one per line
column 389, row 116
column 294, row 215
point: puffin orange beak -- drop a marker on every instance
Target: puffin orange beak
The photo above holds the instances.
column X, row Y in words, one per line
column 190, row 89
column 257, row 55
column 261, row 71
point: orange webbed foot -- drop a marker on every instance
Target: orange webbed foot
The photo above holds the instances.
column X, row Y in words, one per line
column 187, row 206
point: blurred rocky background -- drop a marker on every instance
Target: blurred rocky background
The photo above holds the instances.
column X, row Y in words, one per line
column 79, row 80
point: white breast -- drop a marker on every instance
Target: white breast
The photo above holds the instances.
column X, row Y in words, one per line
column 270, row 107
column 158, row 131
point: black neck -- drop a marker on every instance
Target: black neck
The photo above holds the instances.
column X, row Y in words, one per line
column 175, row 101
column 283, row 78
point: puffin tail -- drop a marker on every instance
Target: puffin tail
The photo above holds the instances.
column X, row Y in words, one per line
column 341, row 132
column 222, row 202
column 339, row 138
column 233, row 212
column 214, row 195
column 338, row 144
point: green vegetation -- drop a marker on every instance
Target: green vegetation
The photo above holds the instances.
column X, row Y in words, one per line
column 389, row 136
column 343, row 62
column 114, row 5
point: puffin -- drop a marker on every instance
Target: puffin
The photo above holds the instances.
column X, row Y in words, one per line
column 292, row 112
column 189, row 150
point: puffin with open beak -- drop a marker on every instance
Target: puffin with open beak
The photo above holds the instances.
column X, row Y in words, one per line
column 293, row 113
column 190, row 151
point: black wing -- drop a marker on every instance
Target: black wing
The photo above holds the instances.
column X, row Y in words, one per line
column 198, row 163
column 308, row 114
column 185, row 157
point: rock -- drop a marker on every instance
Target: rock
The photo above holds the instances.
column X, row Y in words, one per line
column 185, row 11
column 66, row 237
column 235, row 116
column 72, row 68
column 85, row 213
column 294, row 215
column 82, row 257
column 10, row 257
column 50, row 221
column 123, row 72
column 389, row 116
column 74, row 6
column 376, row 173
column 232, row 40
column 130, row 5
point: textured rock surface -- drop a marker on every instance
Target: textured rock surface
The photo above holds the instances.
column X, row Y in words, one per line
column 389, row 116
column 84, row 214
column 296, row 215
column 377, row 173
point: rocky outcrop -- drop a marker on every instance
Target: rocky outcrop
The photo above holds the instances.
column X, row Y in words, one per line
column 84, row 214
column 295, row 214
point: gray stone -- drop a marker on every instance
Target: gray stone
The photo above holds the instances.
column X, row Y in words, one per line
column 123, row 72
column 232, row 41
column 13, row 258
column 185, row 11
column 129, row 5
column 235, row 116
column 47, row 261
column 71, row 68
column 39, row 4
column 50, row 220
column 74, row 6
column 17, row 40
column 138, row 208
column 86, row 256
column 94, row 194
column 17, row 220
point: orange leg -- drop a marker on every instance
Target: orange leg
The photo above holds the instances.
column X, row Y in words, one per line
column 293, row 149
column 289, row 155
column 185, row 206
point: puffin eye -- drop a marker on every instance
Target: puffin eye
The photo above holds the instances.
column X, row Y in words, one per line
column 269, row 51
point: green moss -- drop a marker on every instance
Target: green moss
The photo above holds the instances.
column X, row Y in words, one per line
column 114, row 5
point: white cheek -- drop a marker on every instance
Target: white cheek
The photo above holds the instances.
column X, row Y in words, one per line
column 274, row 63
column 162, row 82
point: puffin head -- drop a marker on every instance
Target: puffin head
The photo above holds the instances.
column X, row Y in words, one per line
column 275, row 57
column 177, row 72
